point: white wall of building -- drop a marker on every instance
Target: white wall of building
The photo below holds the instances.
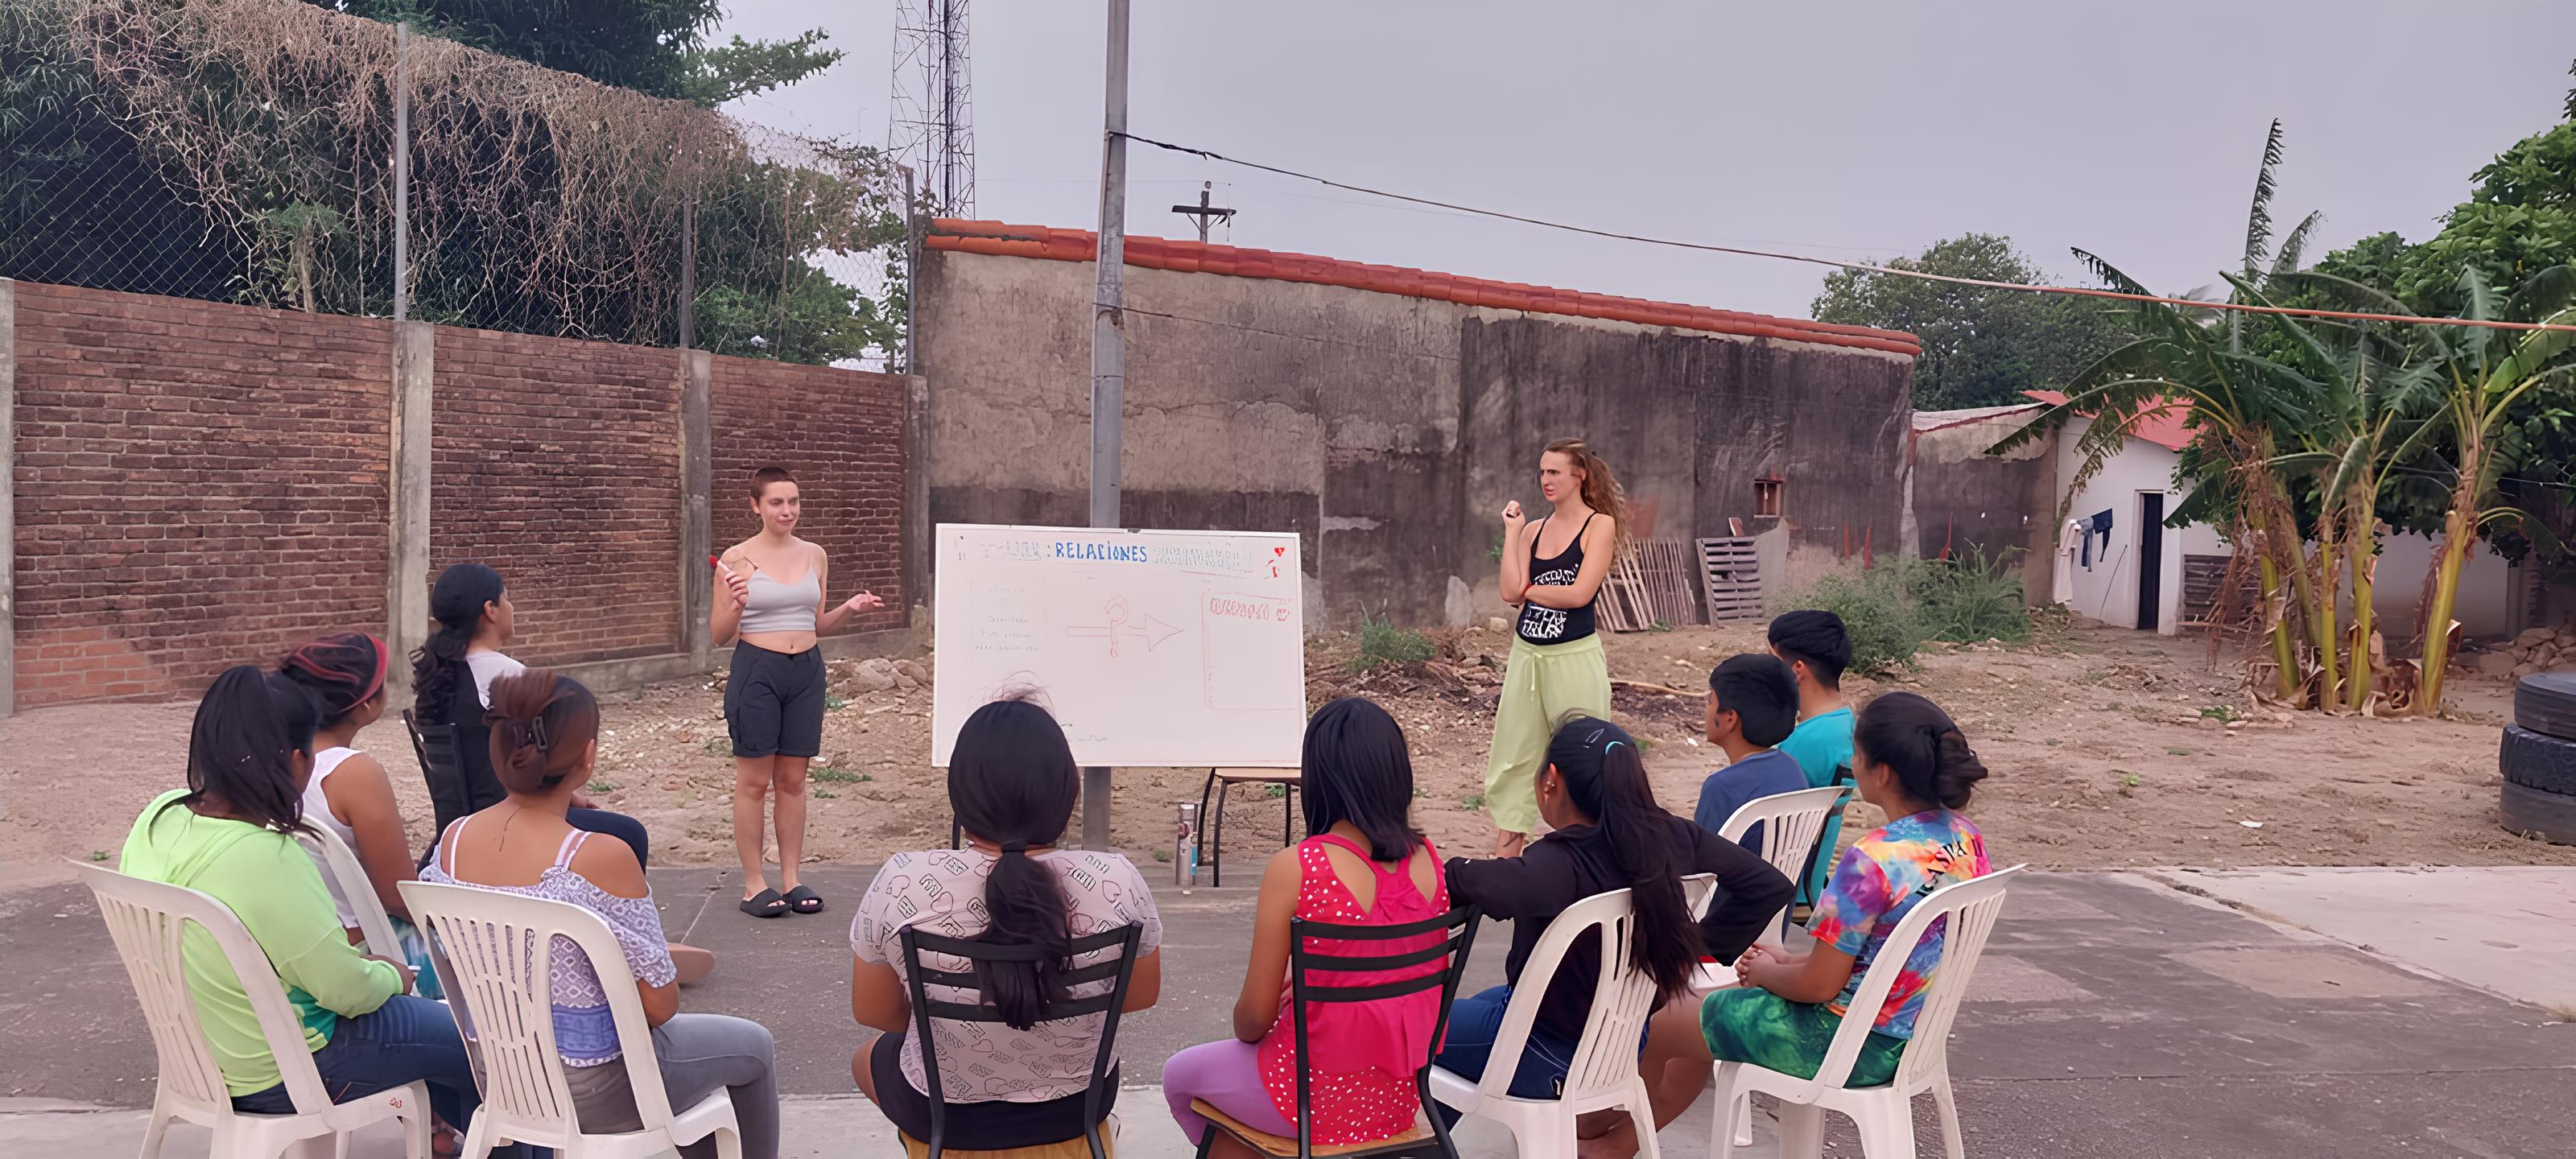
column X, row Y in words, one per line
column 2485, row 603
column 2108, row 590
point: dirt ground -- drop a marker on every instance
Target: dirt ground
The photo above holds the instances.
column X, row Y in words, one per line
column 2108, row 748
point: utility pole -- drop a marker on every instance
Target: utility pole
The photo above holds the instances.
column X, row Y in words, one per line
column 1206, row 214
column 1108, row 352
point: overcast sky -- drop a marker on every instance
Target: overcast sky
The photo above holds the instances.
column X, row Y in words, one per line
column 1847, row 130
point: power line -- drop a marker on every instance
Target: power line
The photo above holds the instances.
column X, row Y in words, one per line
column 1864, row 267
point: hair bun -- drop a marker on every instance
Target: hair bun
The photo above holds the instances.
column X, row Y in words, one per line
column 1956, row 769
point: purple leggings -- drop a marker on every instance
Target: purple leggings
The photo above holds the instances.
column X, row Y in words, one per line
column 1227, row 1074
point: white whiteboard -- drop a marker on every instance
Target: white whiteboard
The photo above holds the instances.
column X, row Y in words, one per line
column 1154, row 649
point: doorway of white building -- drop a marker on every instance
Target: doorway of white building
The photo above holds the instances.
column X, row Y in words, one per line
column 2151, row 560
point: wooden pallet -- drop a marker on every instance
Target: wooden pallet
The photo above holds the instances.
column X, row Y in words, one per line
column 1649, row 585
column 1730, row 578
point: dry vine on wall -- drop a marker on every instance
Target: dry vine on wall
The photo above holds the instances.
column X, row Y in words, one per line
column 539, row 201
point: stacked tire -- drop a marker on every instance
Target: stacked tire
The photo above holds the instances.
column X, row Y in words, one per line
column 2538, row 758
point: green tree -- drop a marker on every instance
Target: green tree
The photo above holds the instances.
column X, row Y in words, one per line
column 652, row 46
column 1981, row 347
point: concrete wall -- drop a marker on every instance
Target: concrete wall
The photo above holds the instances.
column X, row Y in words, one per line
column 1965, row 499
column 1386, row 430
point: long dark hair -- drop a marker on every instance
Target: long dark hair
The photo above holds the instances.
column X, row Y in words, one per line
column 1356, row 768
column 1012, row 780
column 1606, row 778
column 242, row 746
column 541, row 725
column 1919, row 742
column 341, row 672
column 456, row 602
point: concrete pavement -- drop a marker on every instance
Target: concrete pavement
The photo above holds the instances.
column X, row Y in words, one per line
column 2114, row 1015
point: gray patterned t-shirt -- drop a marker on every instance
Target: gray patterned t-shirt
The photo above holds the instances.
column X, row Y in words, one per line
column 942, row 891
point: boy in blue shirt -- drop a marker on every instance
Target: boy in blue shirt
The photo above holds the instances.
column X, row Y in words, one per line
column 1752, row 704
column 1817, row 648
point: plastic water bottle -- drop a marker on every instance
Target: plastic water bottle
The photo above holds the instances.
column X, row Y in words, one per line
column 1185, row 847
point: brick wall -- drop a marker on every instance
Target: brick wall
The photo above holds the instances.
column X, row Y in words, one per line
column 841, row 434
column 557, row 463
column 199, row 485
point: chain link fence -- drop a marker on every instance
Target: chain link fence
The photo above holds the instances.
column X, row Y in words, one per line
column 245, row 151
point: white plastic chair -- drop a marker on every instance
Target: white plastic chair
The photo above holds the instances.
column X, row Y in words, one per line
column 492, row 953
column 147, row 920
column 1604, row 1070
column 1883, row 1114
column 1791, row 824
column 340, row 866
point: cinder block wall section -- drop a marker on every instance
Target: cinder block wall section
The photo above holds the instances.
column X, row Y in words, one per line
column 194, row 485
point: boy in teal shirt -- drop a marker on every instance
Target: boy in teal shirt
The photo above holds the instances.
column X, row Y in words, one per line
column 1817, row 648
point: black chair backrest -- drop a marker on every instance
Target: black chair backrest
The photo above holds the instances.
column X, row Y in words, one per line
column 1117, row 971
column 442, row 767
column 1458, row 934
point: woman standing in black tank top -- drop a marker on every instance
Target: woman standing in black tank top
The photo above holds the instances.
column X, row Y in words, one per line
column 1553, row 569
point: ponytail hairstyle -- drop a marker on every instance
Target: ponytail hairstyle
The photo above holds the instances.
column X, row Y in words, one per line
column 1921, row 746
column 456, row 602
column 1601, row 490
column 1356, row 768
column 242, row 748
column 341, row 672
column 542, row 725
column 1606, row 779
column 1012, row 780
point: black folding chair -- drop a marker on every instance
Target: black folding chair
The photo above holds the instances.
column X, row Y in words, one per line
column 1117, row 971
column 440, row 751
column 1458, row 930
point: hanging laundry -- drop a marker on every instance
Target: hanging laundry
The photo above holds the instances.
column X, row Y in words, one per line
column 2098, row 523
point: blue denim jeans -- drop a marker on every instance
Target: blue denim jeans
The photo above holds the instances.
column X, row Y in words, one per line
column 1475, row 1021
column 407, row 1039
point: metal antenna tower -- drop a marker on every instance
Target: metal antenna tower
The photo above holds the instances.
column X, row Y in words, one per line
column 931, row 120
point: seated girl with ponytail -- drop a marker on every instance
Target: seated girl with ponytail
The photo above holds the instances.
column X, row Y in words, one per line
column 1608, row 834
column 350, row 794
column 1912, row 762
column 545, row 742
column 1018, row 1083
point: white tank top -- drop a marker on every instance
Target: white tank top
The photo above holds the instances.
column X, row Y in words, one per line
column 771, row 606
column 317, row 811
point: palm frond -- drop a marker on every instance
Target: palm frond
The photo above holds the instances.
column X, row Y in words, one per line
column 2543, row 293
column 2109, row 275
column 2294, row 244
column 2258, row 219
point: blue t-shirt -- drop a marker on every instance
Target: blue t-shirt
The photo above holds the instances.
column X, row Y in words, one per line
column 1822, row 746
column 1757, row 775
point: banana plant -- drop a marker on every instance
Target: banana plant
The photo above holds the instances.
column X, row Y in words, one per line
column 2237, row 402
column 2483, row 374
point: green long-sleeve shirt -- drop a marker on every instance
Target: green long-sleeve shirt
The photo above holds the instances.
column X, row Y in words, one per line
column 268, row 882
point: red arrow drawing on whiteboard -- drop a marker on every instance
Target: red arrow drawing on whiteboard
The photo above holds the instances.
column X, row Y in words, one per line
column 1152, row 631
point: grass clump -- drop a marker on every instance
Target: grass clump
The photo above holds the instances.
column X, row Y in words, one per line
column 1382, row 643
column 1890, row 609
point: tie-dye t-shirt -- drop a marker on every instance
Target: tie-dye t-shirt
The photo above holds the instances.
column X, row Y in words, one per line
column 1876, row 884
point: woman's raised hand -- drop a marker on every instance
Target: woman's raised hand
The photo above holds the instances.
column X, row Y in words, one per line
column 1512, row 517
column 734, row 584
column 863, row 602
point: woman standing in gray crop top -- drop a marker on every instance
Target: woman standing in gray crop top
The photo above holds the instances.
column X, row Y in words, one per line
column 769, row 606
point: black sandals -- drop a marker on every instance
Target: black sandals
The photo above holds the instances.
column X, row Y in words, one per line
column 804, row 900
column 765, row 904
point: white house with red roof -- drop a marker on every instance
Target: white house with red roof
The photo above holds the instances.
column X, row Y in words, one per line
column 2115, row 562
